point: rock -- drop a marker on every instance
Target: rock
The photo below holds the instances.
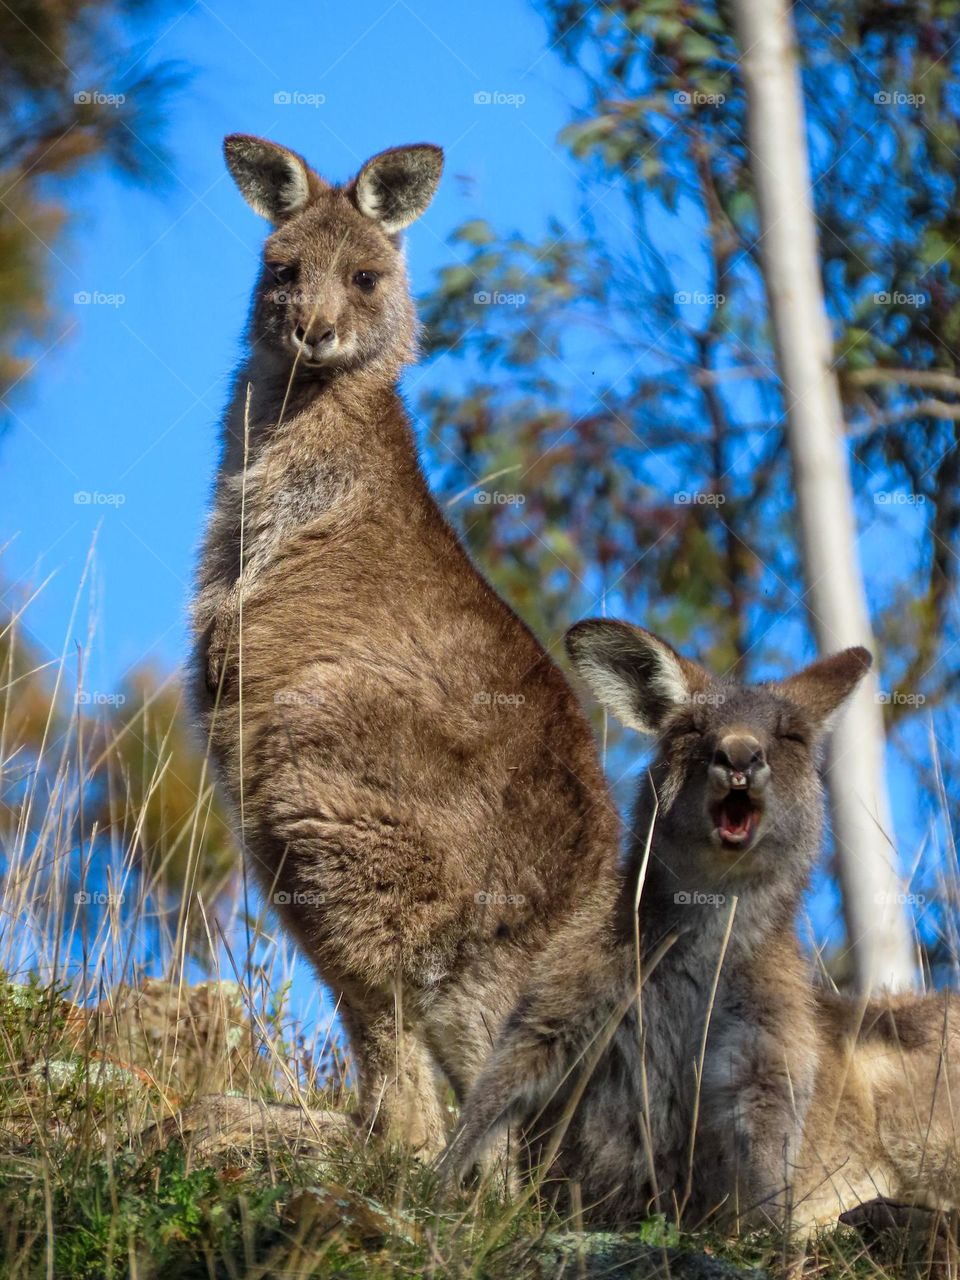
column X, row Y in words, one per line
column 219, row 1124
column 622, row 1256
column 74, row 1076
column 195, row 1039
column 909, row 1239
column 331, row 1207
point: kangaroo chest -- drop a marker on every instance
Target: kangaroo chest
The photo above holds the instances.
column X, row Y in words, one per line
column 649, row 1082
column 277, row 497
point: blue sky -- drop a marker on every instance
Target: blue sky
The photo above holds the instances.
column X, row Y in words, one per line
column 124, row 406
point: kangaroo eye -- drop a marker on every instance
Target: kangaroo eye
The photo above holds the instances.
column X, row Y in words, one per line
column 791, row 735
column 282, row 272
column 366, row 281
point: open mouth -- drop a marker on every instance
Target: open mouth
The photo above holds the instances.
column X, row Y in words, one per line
column 736, row 818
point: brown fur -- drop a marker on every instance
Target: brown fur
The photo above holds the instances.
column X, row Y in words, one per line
column 415, row 785
column 805, row 1103
column 885, row 1119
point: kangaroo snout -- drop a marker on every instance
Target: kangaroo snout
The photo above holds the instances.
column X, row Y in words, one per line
column 738, row 776
column 314, row 337
column 739, row 763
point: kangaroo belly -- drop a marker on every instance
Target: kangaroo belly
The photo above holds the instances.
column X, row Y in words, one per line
column 623, row 1122
column 394, row 825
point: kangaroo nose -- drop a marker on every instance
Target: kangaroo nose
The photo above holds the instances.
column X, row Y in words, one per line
column 317, row 333
column 741, row 757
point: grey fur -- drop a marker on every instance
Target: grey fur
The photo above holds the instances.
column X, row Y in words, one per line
column 651, row 1131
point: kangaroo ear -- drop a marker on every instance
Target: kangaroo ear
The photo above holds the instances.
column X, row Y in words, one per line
column 275, row 182
column 634, row 673
column 822, row 688
column 396, row 186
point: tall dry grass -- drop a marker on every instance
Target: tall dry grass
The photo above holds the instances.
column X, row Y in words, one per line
column 165, row 1107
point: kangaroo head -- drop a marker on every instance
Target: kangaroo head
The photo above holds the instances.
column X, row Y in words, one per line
column 333, row 291
column 737, row 766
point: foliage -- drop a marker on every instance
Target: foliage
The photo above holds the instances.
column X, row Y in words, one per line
column 154, row 767
column 75, row 96
column 138, row 806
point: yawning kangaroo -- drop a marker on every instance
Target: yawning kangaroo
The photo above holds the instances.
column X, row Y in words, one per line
column 722, row 1081
column 414, row 783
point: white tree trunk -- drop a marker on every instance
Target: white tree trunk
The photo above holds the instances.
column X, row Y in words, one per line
column 877, row 927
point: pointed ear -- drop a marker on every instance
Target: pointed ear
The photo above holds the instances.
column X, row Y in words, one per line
column 396, row 186
column 822, row 688
column 634, row 673
column 275, row 182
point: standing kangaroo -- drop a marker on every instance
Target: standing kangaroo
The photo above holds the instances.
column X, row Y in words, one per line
column 726, row 1083
column 415, row 785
